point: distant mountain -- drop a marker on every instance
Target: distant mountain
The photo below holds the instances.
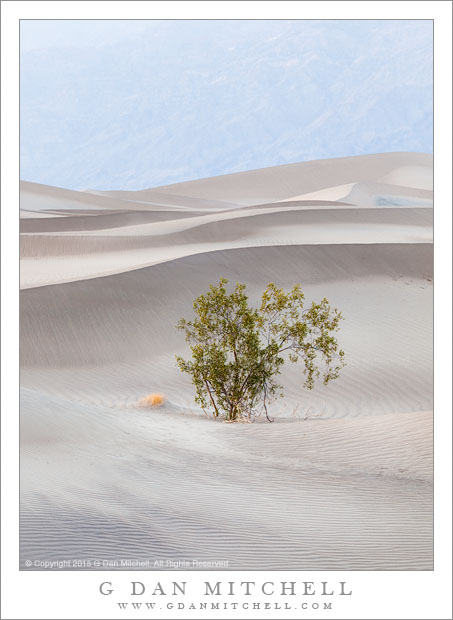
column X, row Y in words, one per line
column 180, row 100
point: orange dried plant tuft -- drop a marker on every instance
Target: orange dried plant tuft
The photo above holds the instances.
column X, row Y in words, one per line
column 152, row 400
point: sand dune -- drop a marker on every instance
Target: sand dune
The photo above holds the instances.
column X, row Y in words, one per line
column 341, row 480
column 168, row 498
column 118, row 249
column 413, row 170
column 369, row 195
column 37, row 198
column 52, row 223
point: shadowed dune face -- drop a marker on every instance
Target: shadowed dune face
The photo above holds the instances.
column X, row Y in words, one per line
column 280, row 228
column 97, row 221
column 74, row 329
column 348, row 467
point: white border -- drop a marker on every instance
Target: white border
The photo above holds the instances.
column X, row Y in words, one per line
column 375, row 594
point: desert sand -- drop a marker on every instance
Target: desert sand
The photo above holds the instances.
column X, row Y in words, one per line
column 342, row 479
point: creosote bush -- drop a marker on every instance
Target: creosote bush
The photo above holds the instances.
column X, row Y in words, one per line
column 238, row 351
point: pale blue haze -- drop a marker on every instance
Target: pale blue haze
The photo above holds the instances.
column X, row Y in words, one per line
column 130, row 105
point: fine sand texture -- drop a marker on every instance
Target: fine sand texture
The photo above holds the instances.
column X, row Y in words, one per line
column 341, row 480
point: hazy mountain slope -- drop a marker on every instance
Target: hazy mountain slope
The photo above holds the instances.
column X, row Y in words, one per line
column 180, row 100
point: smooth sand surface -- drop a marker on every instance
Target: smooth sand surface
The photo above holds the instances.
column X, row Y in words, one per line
column 343, row 477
